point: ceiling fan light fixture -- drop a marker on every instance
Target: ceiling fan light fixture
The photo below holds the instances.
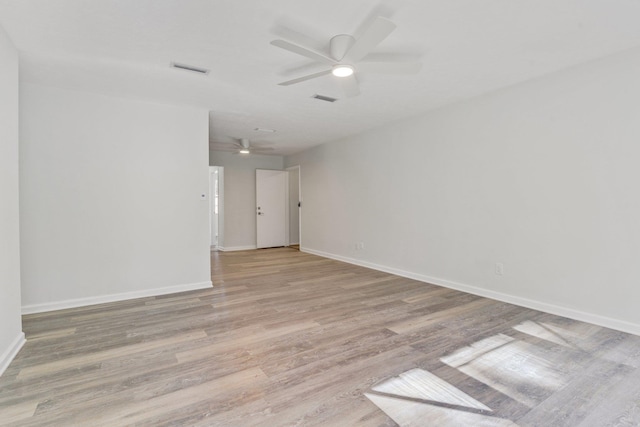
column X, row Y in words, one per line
column 342, row 70
column 244, row 151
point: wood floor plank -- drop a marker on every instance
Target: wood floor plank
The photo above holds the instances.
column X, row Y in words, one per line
column 439, row 316
column 88, row 359
column 20, row 411
column 288, row 338
column 219, row 388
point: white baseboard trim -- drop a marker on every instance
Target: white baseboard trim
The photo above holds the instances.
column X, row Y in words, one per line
column 11, row 352
column 81, row 302
column 237, row 248
column 596, row 319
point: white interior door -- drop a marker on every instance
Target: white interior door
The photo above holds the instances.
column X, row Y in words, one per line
column 271, row 208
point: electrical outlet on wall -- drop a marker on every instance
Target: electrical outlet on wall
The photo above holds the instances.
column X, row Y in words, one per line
column 359, row 246
column 499, row 268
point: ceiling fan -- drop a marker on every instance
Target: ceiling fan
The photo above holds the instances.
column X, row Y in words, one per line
column 347, row 56
column 242, row 146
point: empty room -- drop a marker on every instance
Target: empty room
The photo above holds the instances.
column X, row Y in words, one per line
column 319, row 213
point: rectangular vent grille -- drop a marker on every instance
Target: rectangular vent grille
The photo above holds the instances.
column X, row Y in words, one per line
column 324, row 98
column 190, row 68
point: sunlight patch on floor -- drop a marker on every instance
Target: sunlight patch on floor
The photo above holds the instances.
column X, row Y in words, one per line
column 421, row 384
column 578, row 334
column 515, row 368
column 542, row 331
column 416, row 396
column 407, row 413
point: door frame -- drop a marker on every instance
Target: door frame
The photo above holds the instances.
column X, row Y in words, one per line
column 300, row 203
column 212, row 195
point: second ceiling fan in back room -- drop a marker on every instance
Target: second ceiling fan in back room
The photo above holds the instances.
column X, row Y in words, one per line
column 242, row 146
column 347, row 57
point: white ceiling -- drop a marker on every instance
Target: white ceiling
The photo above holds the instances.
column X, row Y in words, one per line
column 468, row 47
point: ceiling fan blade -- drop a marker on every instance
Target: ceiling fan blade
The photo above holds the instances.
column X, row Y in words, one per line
column 379, row 29
column 262, row 143
column 304, row 78
column 350, row 86
column 316, row 56
column 390, row 67
column 222, row 147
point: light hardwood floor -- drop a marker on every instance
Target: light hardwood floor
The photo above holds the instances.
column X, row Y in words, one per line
column 286, row 338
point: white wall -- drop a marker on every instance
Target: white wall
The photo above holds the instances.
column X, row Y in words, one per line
column 110, row 198
column 11, row 336
column 542, row 177
column 240, row 195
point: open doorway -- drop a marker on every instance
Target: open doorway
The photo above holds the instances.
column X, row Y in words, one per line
column 216, row 186
column 295, row 204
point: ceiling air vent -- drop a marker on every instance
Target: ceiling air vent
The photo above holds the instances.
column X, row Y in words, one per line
column 189, row 68
column 324, row 98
